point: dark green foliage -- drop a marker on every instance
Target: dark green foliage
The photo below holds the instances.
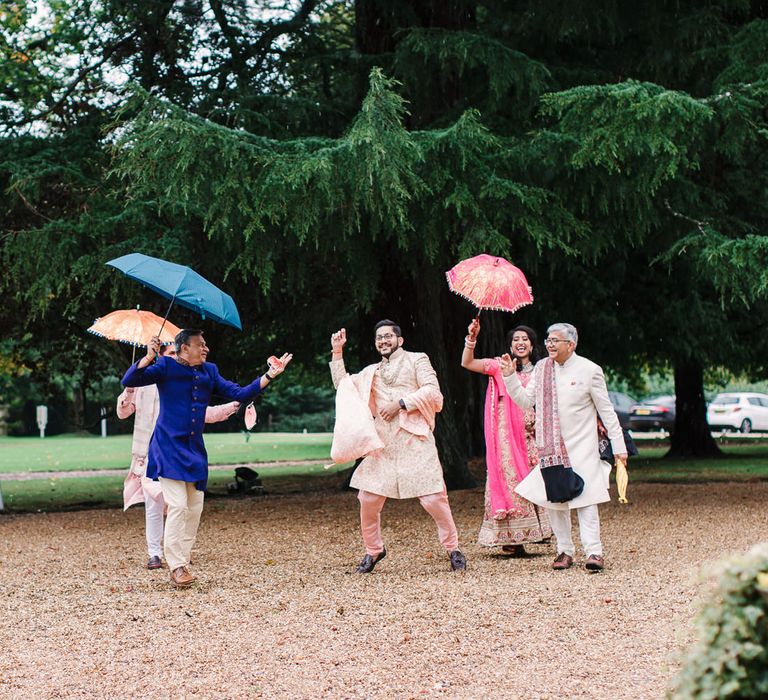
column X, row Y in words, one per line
column 730, row 656
column 329, row 162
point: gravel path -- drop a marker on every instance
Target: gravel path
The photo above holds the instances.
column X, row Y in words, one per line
column 277, row 612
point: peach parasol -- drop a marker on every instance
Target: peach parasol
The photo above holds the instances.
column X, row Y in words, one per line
column 134, row 327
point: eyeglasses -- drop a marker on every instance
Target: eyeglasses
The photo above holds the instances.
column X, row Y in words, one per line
column 387, row 336
column 555, row 341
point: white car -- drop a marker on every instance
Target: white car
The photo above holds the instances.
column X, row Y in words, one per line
column 742, row 411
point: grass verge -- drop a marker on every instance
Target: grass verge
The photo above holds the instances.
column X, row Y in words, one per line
column 72, row 453
column 79, row 493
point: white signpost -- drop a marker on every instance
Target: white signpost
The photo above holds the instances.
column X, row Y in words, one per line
column 42, row 419
column 103, row 422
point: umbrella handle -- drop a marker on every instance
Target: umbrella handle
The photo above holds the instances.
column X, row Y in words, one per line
column 162, row 325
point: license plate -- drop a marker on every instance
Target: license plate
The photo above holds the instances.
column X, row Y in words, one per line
column 643, row 412
column 719, row 410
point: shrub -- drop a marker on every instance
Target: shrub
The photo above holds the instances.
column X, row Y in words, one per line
column 730, row 658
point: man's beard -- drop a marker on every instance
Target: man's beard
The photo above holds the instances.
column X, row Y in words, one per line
column 387, row 353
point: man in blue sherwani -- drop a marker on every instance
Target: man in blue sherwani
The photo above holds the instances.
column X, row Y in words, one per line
column 177, row 456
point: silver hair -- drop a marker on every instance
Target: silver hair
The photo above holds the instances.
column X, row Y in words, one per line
column 567, row 330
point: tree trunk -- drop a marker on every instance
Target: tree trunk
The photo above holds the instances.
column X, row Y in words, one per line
column 431, row 318
column 77, row 408
column 692, row 437
column 431, row 322
column 442, row 340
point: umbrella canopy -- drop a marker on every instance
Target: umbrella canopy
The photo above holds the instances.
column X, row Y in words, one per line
column 490, row 283
column 134, row 327
column 182, row 285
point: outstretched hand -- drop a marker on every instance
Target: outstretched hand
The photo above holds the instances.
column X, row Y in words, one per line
column 277, row 365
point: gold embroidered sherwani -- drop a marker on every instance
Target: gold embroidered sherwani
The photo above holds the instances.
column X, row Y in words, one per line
column 408, row 465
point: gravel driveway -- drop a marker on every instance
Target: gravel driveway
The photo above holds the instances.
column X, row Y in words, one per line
column 278, row 612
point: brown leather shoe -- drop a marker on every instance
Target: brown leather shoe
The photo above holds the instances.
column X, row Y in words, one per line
column 515, row 551
column 181, row 578
column 595, row 563
column 563, row 561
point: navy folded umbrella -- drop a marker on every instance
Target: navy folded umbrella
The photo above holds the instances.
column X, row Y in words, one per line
column 182, row 285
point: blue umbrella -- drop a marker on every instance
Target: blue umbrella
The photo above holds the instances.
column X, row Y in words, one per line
column 182, row 285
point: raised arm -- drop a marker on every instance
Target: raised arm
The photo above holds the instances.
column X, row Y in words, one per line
column 468, row 360
column 338, row 370
column 234, row 391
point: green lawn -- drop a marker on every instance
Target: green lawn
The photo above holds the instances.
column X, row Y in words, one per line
column 739, row 463
column 69, row 493
column 742, row 462
column 68, row 453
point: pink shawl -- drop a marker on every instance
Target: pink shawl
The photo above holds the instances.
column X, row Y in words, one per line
column 354, row 430
column 501, row 500
column 549, row 440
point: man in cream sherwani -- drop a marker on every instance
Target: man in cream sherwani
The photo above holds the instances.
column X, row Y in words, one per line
column 400, row 395
column 581, row 396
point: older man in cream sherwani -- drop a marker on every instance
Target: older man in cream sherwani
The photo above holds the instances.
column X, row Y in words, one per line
column 401, row 396
column 581, row 394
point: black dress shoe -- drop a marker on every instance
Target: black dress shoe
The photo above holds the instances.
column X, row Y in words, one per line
column 155, row 562
column 458, row 560
column 366, row 566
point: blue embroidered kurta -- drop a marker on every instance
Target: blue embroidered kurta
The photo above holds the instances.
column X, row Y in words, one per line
column 177, row 450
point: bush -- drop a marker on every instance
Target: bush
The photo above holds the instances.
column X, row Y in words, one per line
column 730, row 659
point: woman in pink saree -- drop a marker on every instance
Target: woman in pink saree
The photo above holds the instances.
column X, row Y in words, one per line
column 509, row 521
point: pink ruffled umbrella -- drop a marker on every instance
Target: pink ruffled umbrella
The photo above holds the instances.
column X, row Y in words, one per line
column 490, row 283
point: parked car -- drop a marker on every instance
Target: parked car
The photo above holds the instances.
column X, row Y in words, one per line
column 653, row 414
column 742, row 411
column 622, row 404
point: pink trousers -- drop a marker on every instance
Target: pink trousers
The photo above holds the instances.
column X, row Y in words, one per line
column 436, row 504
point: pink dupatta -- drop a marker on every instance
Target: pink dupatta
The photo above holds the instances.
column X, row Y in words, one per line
column 501, row 500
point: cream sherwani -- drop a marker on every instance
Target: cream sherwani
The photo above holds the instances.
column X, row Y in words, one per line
column 581, row 396
column 408, row 466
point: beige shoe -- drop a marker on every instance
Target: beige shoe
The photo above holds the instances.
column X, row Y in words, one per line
column 181, row 578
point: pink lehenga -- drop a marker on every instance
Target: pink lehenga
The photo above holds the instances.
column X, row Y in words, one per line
column 509, row 519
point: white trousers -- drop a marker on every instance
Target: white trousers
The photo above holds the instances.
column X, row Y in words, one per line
column 153, row 517
column 589, row 530
column 185, row 506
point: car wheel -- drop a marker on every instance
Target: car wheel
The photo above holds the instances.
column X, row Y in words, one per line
column 746, row 426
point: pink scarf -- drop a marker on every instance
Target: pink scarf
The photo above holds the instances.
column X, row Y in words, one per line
column 549, row 440
column 501, row 500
